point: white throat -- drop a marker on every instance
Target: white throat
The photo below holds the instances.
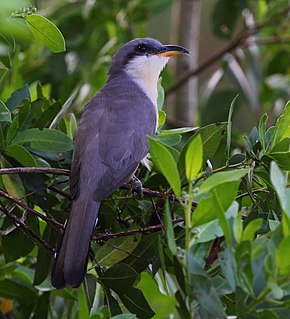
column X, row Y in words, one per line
column 145, row 72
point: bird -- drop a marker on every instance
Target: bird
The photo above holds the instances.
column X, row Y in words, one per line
column 110, row 143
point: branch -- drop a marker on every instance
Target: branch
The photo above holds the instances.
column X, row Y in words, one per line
column 149, row 229
column 34, row 170
column 18, row 222
column 237, row 41
column 52, row 222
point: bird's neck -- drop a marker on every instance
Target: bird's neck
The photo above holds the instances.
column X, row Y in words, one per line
column 146, row 76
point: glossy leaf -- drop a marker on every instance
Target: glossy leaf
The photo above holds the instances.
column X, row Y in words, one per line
column 169, row 230
column 44, row 140
column 282, row 127
column 165, row 163
column 116, row 249
column 193, row 158
column 5, row 115
column 46, row 32
column 20, row 154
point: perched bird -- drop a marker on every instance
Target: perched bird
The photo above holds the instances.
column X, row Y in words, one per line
column 111, row 142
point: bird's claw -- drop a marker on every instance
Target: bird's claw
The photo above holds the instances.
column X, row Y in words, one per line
column 137, row 187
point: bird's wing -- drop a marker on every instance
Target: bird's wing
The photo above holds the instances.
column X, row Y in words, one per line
column 111, row 141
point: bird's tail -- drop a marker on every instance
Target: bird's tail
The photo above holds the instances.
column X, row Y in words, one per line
column 71, row 260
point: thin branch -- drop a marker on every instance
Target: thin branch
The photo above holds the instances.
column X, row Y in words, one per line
column 19, row 223
column 149, row 229
column 34, row 170
column 52, row 222
column 239, row 40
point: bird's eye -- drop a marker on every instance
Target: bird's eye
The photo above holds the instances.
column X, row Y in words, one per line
column 142, row 48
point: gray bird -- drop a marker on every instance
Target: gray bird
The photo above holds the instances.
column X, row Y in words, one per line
column 111, row 142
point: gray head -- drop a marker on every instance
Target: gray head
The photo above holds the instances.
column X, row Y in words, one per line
column 142, row 60
column 143, row 50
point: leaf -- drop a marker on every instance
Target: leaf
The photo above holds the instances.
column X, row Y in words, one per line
column 17, row 97
column 12, row 182
column 262, row 131
column 5, row 115
column 211, row 136
column 112, row 303
column 144, row 253
column 229, row 128
column 177, row 131
column 161, row 94
column 283, row 257
column 116, row 249
column 119, row 277
column 161, row 118
column 46, row 32
column 206, row 208
column 44, row 140
column 165, row 163
column 44, row 257
column 135, row 302
column 169, row 230
column 222, row 178
column 83, row 309
column 282, row 127
column 251, row 229
column 193, row 158
column 21, row 155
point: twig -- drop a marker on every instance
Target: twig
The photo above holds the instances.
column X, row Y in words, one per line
column 237, row 41
column 18, row 222
column 149, row 229
column 52, row 222
column 34, row 170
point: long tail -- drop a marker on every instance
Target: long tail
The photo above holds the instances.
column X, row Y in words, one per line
column 71, row 260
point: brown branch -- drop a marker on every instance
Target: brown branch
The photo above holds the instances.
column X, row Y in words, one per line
column 237, row 41
column 52, row 222
column 19, row 223
column 149, row 229
column 34, row 170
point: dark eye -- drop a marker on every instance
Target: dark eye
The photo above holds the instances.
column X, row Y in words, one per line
column 142, row 48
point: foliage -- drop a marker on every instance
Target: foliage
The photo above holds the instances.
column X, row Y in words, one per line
column 210, row 236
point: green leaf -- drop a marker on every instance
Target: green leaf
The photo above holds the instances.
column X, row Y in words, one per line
column 161, row 118
column 44, row 256
column 193, row 158
column 116, row 249
column 282, row 127
column 119, row 277
column 12, row 130
column 177, row 131
column 46, row 32
column 125, row 316
column 83, row 309
column 17, row 97
column 283, row 257
column 251, row 229
column 279, row 182
column 169, row 230
column 262, row 131
column 113, row 305
column 166, row 164
column 20, row 154
column 206, row 208
column 12, row 182
column 211, row 136
column 134, row 300
column 161, row 94
column 222, row 178
column 229, row 128
column 44, row 140
column 5, row 115
column 144, row 253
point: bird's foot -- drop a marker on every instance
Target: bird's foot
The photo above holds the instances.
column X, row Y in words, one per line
column 137, row 187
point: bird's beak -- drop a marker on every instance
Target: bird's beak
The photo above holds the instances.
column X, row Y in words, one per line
column 170, row 50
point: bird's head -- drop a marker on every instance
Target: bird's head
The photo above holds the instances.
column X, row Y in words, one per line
column 143, row 60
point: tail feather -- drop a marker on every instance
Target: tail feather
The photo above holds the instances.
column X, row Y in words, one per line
column 71, row 260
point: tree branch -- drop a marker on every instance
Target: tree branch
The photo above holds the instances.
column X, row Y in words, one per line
column 237, row 41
